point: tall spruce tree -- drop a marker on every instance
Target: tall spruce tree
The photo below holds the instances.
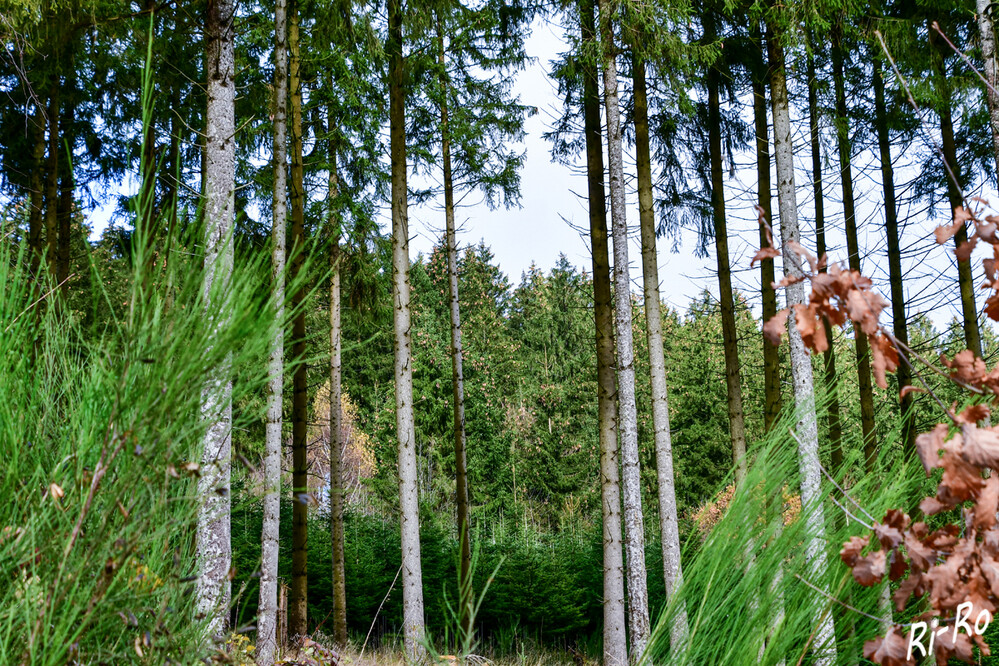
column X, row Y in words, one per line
column 270, row 529
column 298, row 601
column 409, row 515
column 214, row 549
column 634, row 522
column 801, row 368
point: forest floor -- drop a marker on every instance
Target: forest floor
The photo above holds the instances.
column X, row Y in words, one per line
column 394, row 656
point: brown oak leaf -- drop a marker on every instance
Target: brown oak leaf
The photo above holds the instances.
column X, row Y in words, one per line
column 890, row 650
column 870, row 570
column 981, row 445
column 973, row 414
column 884, row 358
column 928, row 445
column 813, row 333
column 764, row 253
column 773, row 329
column 944, row 233
column 850, row 552
column 987, row 504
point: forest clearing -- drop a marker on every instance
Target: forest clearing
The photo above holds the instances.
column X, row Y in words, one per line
column 270, row 392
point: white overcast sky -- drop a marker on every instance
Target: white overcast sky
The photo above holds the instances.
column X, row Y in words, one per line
column 542, row 228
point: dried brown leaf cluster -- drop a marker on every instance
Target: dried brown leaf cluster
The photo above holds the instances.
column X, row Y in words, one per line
column 838, row 296
column 959, row 562
column 953, row 565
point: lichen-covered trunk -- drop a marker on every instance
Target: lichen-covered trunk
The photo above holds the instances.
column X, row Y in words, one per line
column 634, row 523
column 214, row 550
column 987, row 37
column 829, row 357
column 298, row 598
column 801, row 367
column 409, row 515
column 861, row 345
column 771, row 356
column 270, row 531
column 669, row 527
column 900, row 328
column 337, row 442
column 615, row 642
column 955, row 197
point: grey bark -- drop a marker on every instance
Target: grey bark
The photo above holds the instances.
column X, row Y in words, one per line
column 672, row 569
column 412, row 575
column 267, row 620
column 213, row 546
column 801, row 366
column 986, row 31
column 634, row 524
column 615, row 642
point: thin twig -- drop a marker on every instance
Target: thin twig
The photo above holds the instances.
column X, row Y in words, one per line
column 375, row 618
column 919, row 375
column 936, row 26
column 919, row 112
column 40, row 299
column 847, row 512
column 938, row 371
column 841, row 603
column 846, row 494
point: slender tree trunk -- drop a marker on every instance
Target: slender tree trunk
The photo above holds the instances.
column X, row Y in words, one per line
column 615, row 643
column 412, row 574
column 972, row 335
column 37, row 194
column 771, row 355
column 829, row 357
column 457, row 375
column 270, row 532
column 66, row 183
column 986, row 30
column 672, row 570
column 337, row 442
column 733, row 374
column 801, row 367
column 845, row 628
column 171, row 181
column 899, row 322
column 171, row 176
column 634, row 524
column 862, row 346
column 298, row 602
column 52, row 186
column 214, row 550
